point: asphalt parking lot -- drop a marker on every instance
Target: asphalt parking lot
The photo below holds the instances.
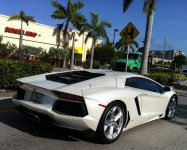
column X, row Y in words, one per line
column 19, row 133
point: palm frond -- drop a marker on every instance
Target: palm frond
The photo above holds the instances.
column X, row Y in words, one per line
column 89, row 35
column 135, row 43
column 94, row 19
column 120, row 44
column 30, row 18
column 14, row 17
column 104, row 24
column 22, row 16
column 149, row 6
column 58, row 29
column 126, row 4
column 78, row 20
column 58, row 14
column 78, row 5
column 69, row 7
column 26, row 19
column 132, row 48
column 87, row 26
column 59, row 7
column 104, row 35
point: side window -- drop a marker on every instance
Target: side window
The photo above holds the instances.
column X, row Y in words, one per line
column 144, row 84
column 132, row 82
column 161, row 89
column 148, row 85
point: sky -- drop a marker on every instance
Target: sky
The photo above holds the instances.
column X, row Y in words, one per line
column 170, row 20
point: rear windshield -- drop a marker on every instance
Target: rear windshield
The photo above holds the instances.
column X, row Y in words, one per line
column 72, row 77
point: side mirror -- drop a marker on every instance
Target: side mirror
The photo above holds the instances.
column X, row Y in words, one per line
column 167, row 89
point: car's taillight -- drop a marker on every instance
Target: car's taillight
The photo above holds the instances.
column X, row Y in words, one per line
column 68, row 96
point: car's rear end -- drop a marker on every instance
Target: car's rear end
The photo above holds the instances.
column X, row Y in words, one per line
column 53, row 99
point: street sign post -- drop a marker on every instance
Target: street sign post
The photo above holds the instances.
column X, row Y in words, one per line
column 129, row 33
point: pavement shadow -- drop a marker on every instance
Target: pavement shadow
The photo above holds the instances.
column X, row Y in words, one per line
column 180, row 116
column 17, row 120
column 6, row 104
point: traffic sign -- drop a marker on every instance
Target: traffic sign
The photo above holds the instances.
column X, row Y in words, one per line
column 129, row 33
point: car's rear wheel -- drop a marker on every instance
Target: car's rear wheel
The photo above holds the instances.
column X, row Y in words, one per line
column 171, row 108
column 111, row 123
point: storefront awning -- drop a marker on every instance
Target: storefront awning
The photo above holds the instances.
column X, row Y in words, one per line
column 78, row 50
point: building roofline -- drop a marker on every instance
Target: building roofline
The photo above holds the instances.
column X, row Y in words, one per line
column 2, row 15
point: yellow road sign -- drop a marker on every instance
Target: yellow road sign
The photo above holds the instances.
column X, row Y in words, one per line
column 129, row 33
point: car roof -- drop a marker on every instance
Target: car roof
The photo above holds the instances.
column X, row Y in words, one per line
column 119, row 74
column 113, row 73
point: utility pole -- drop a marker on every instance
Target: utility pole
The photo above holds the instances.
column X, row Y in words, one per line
column 127, row 59
column 164, row 50
column 115, row 30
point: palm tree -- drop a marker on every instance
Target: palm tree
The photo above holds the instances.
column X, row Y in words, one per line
column 149, row 9
column 95, row 30
column 1, row 39
column 24, row 18
column 71, row 15
column 57, row 32
column 121, row 45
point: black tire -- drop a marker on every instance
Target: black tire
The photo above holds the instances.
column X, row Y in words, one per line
column 171, row 108
column 101, row 132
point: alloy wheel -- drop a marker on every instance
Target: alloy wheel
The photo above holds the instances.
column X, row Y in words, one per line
column 113, row 122
column 172, row 107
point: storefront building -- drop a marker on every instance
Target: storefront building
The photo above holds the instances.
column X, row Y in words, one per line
column 40, row 35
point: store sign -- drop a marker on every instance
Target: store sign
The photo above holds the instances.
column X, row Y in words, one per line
column 18, row 31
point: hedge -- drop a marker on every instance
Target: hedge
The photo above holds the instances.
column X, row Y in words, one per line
column 10, row 70
column 166, row 78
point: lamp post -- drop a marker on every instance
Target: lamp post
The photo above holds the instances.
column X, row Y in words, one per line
column 73, row 51
column 115, row 30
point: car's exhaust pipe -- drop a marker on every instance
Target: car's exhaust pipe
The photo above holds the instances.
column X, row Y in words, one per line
column 32, row 116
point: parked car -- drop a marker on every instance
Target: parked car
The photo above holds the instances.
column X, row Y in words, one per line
column 106, row 102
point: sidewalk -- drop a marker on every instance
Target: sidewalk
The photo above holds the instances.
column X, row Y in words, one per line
column 180, row 87
column 6, row 94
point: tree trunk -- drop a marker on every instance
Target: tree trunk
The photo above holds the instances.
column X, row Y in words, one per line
column 66, row 41
column 20, row 42
column 149, row 26
column 58, row 46
column 72, row 52
column 64, row 63
column 92, row 54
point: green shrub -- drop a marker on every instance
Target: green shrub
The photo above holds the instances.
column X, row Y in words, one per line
column 96, row 64
column 180, row 76
column 166, row 78
column 30, row 50
column 7, row 50
column 159, row 77
column 11, row 70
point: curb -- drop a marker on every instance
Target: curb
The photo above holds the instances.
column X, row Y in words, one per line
column 3, row 98
column 6, row 104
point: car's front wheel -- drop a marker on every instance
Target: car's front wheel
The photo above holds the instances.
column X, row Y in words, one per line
column 171, row 108
column 111, row 123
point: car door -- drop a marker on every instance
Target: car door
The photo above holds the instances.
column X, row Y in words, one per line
column 150, row 102
column 153, row 102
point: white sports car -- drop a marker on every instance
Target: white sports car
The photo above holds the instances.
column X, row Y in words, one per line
column 107, row 102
